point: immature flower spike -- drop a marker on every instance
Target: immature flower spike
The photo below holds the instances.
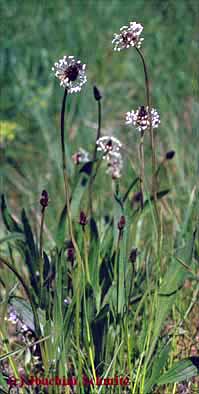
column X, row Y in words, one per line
column 170, row 155
column 109, row 146
column 83, row 219
column 121, row 223
column 129, row 36
column 44, row 199
column 71, row 252
column 133, row 255
column 97, row 93
column 141, row 118
column 71, row 73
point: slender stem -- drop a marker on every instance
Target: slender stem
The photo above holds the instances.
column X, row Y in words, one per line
column 63, row 149
column 150, row 127
column 79, row 260
column 141, row 151
column 132, row 283
column 91, row 180
column 41, row 245
column 129, row 189
column 99, row 128
column 86, row 257
column 66, row 183
column 90, row 350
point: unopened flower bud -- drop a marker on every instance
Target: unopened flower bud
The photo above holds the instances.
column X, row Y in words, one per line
column 96, row 93
column 170, row 155
column 44, row 199
column 133, row 255
column 82, row 219
column 71, row 253
column 121, row 223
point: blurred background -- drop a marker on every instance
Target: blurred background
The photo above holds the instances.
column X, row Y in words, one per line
column 34, row 35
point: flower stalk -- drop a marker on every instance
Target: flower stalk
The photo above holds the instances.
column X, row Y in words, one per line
column 44, row 204
column 141, row 153
column 148, row 101
column 98, row 97
column 66, row 183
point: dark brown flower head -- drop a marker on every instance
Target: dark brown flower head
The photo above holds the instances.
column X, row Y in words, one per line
column 133, row 255
column 82, row 219
column 170, row 155
column 121, row 223
column 72, row 72
column 44, row 199
column 97, row 93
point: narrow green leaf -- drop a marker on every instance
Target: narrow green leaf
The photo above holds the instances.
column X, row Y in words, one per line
column 61, row 229
column 2, row 382
column 181, row 370
column 173, row 279
column 9, row 221
column 158, row 364
column 12, row 237
column 78, row 194
column 29, row 237
column 24, row 311
column 129, row 189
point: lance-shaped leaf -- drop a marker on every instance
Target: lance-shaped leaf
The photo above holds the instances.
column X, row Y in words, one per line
column 180, row 371
column 9, row 221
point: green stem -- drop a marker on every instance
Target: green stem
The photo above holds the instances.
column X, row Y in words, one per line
column 86, row 257
column 91, row 180
column 66, row 183
column 141, row 151
column 79, row 260
column 41, row 245
column 150, row 127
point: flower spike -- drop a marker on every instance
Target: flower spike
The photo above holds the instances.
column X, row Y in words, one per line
column 71, row 73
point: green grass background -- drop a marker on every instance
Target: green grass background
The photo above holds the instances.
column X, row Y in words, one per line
column 36, row 34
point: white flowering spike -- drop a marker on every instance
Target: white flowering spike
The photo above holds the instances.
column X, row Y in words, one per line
column 114, row 165
column 71, row 73
column 81, row 156
column 109, row 146
column 141, row 119
column 129, row 36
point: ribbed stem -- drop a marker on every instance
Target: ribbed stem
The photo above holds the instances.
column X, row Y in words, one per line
column 141, row 152
column 66, row 183
column 150, row 127
column 41, row 245
column 79, row 260
column 91, row 179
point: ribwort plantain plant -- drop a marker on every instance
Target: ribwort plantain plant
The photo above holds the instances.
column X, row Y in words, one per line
column 92, row 307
